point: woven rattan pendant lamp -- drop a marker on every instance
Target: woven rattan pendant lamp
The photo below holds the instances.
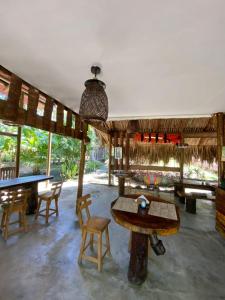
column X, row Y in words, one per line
column 94, row 101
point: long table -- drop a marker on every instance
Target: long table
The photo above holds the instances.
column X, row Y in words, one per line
column 26, row 182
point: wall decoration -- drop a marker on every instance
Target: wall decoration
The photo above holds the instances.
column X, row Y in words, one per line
column 118, row 153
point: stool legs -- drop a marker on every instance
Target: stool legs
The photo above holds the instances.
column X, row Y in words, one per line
column 38, row 208
column 82, row 247
column 100, row 252
column 100, row 256
column 107, row 241
column 47, row 209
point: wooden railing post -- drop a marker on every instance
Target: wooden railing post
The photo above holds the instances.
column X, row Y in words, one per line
column 18, row 146
column 82, row 163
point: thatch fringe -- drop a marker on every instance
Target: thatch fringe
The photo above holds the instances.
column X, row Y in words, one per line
column 148, row 154
column 141, row 153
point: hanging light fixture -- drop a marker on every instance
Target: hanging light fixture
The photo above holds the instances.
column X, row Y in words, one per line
column 94, row 101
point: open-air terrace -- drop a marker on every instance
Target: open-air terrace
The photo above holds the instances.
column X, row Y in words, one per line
column 112, row 150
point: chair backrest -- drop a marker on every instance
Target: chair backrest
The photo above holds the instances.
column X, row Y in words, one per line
column 15, row 197
column 7, row 173
column 56, row 188
column 82, row 205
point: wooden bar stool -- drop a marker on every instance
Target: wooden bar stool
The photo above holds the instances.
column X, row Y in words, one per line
column 48, row 197
column 14, row 202
column 93, row 226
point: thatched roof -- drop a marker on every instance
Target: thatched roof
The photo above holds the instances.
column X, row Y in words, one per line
column 203, row 148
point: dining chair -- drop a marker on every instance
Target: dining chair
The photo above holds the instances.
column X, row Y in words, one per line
column 92, row 226
column 14, row 202
column 48, row 197
column 7, row 173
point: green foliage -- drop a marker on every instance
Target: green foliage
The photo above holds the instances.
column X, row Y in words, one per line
column 7, row 144
column 34, row 148
column 69, row 170
column 92, row 165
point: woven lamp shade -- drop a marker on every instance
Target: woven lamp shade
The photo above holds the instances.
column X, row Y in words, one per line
column 94, row 101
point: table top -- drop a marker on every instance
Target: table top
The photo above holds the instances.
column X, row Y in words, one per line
column 197, row 184
column 5, row 184
column 145, row 223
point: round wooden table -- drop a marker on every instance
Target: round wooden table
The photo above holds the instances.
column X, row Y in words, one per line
column 142, row 225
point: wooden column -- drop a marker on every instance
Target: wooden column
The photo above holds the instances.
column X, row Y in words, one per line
column 82, row 163
column 49, row 155
column 127, row 152
column 121, row 145
column 110, row 160
column 115, row 142
column 18, row 146
column 220, row 143
column 182, row 161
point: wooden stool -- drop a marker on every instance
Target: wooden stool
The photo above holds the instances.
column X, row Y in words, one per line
column 93, row 226
column 48, row 197
column 14, row 202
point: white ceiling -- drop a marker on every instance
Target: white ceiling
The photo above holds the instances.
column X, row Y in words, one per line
column 159, row 58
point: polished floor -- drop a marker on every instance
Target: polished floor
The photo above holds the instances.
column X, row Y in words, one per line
column 42, row 264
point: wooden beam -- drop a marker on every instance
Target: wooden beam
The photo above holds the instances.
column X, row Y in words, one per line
column 11, row 110
column 82, row 164
column 48, row 114
column 203, row 134
column 8, row 134
column 59, row 119
column 220, row 144
column 154, row 168
column 33, row 97
column 12, row 103
column 18, row 147
column 110, row 161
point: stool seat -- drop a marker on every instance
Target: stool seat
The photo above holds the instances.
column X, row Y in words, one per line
column 97, row 224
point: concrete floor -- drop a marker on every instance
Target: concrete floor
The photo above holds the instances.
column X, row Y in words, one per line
column 42, row 264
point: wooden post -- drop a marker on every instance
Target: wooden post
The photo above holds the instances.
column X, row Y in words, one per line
column 182, row 161
column 121, row 145
column 49, row 156
column 110, row 160
column 220, row 143
column 19, row 131
column 115, row 145
column 127, row 152
column 82, row 163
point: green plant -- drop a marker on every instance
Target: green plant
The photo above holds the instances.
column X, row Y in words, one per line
column 92, row 165
column 69, row 170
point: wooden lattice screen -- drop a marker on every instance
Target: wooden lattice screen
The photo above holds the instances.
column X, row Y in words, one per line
column 23, row 104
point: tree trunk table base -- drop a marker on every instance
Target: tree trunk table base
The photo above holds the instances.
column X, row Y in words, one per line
column 121, row 185
column 191, row 205
column 138, row 265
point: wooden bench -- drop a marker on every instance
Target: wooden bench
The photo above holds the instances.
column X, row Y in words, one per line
column 191, row 200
